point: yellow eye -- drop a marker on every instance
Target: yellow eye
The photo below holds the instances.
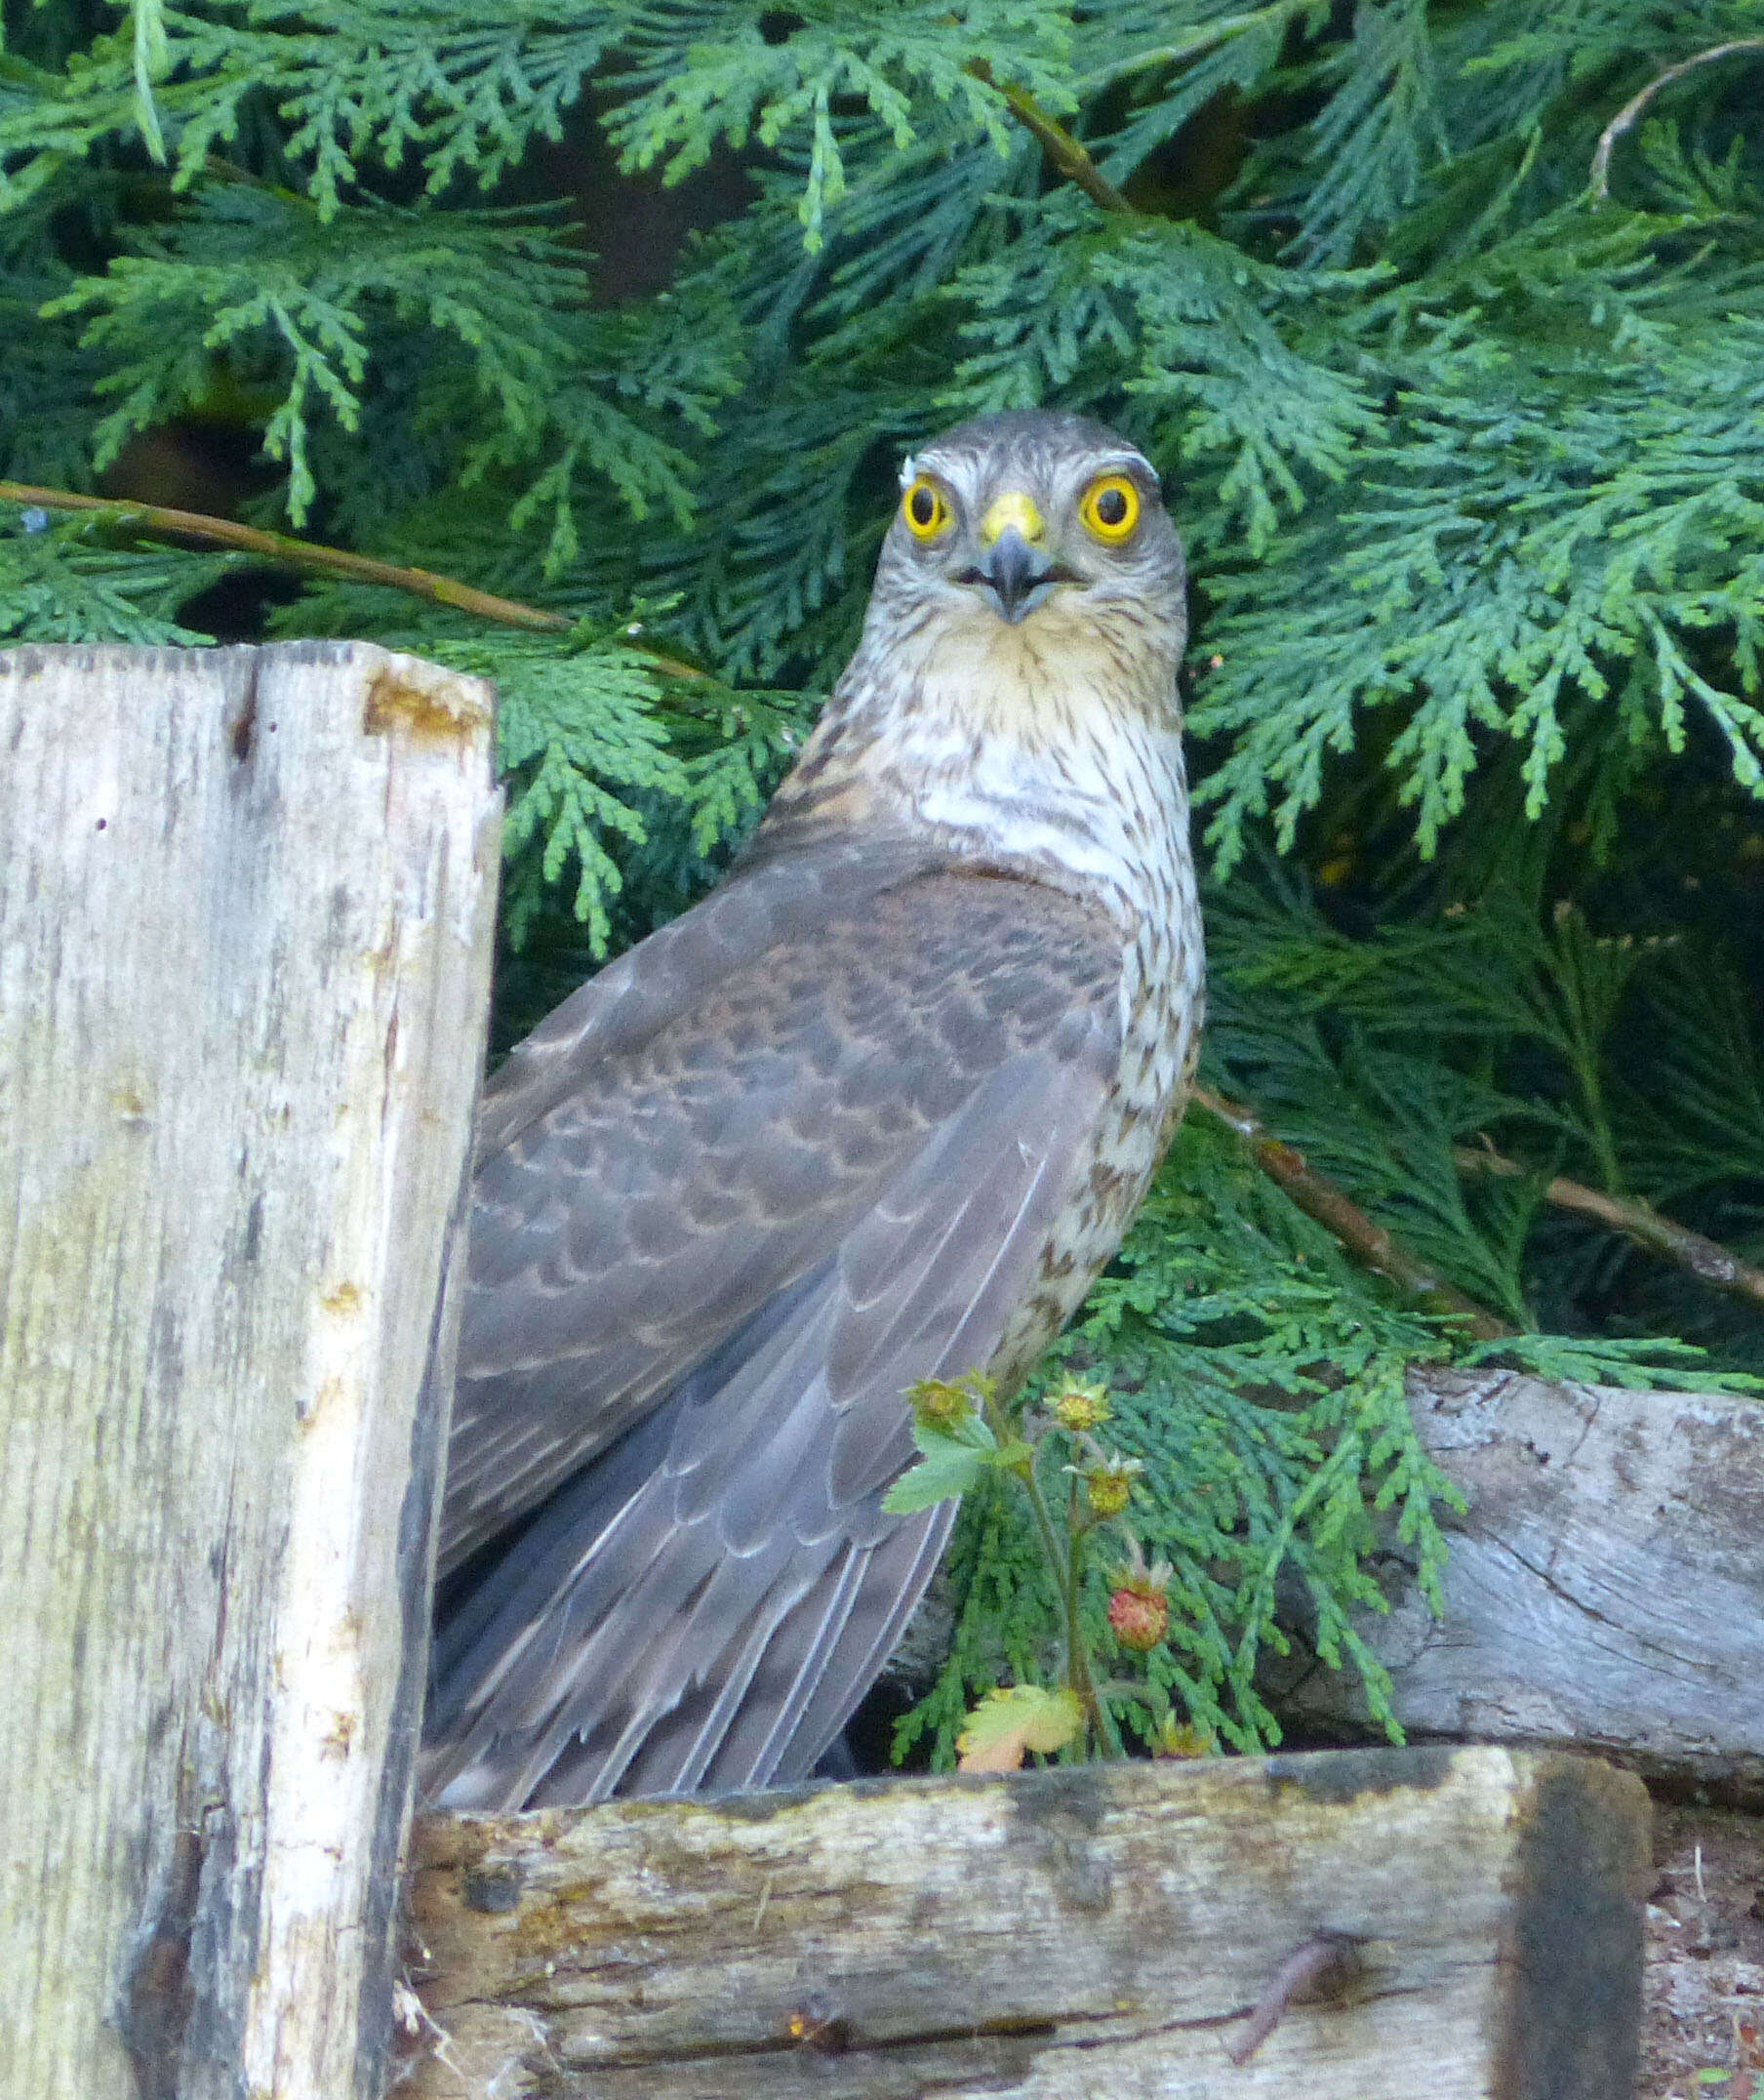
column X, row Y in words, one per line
column 1110, row 509
column 925, row 507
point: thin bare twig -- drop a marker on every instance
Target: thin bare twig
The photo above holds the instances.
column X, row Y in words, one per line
column 311, row 558
column 1065, row 152
column 1625, row 118
column 1367, row 1241
column 287, row 553
column 1705, row 1259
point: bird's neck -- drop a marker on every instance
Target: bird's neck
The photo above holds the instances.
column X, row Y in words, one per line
column 1054, row 756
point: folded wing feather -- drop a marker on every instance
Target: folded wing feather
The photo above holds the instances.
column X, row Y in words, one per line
column 704, row 1270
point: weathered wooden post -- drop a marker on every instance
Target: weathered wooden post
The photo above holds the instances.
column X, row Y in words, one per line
column 245, row 910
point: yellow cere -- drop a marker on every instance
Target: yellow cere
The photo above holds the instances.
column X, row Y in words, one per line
column 925, row 507
column 1110, row 509
column 1013, row 511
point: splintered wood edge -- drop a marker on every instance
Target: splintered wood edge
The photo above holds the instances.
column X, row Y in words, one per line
column 426, row 702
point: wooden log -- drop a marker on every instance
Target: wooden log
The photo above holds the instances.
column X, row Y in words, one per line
column 245, row 913
column 1605, row 1591
column 1469, row 1923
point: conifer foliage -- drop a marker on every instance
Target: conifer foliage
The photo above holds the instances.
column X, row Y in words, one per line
column 1443, row 322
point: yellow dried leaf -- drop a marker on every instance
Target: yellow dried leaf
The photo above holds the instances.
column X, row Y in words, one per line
column 1008, row 1724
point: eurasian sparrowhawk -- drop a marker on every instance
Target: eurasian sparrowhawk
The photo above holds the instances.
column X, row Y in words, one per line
column 878, row 1110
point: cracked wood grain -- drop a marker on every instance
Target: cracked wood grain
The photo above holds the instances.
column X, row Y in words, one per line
column 1603, row 1590
column 1119, row 1930
column 246, row 908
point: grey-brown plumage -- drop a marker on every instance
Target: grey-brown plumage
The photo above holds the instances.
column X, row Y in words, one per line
column 878, row 1110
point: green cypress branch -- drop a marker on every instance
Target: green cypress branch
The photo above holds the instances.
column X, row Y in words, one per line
column 1204, row 37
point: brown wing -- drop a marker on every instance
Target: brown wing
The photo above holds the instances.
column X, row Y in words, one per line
column 633, row 1200
column 727, row 1255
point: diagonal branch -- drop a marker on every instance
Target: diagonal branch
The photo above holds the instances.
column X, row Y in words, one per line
column 307, row 555
column 1625, row 118
column 1365, row 1239
column 1065, row 152
column 1705, row 1259
column 311, row 558
column 1379, row 1251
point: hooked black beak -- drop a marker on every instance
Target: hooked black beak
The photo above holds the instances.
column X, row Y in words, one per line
column 1015, row 573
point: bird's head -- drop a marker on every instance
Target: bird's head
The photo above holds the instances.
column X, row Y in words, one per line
column 1043, row 522
column 1015, row 690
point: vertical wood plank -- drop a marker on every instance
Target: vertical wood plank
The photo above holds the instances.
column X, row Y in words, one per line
column 246, row 915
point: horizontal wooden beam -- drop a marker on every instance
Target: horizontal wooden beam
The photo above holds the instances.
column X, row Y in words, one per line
column 1453, row 1924
column 1602, row 1592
